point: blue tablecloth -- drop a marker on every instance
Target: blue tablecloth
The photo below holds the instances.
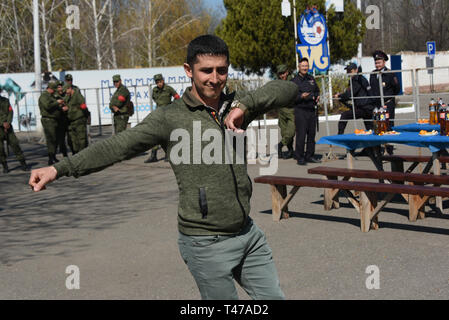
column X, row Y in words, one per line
column 353, row 142
column 416, row 127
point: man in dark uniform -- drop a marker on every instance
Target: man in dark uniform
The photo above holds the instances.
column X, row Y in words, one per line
column 51, row 113
column 305, row 114
column 362, row 107
column 162, row 95
column 7, row 133
column 119, row 104
column 390, row 88
column 286, row 119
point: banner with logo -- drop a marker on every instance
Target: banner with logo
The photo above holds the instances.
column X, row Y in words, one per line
column 313, row 32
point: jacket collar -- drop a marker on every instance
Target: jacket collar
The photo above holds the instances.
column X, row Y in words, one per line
column 191, row 101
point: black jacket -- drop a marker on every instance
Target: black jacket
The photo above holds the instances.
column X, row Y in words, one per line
column 306, row 84
column 390, row 83
column 360, row 89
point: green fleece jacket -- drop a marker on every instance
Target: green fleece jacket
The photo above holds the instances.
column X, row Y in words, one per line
column 214, row 197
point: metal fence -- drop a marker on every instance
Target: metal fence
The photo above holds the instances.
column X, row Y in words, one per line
column 419, row 85
column 417, row 90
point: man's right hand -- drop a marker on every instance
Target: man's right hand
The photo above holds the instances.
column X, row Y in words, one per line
column 115, row 108
column 41, row 177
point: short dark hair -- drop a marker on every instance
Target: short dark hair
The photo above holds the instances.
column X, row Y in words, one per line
column 206, row 45
column 304, row 59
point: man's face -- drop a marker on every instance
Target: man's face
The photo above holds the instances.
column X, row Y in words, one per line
column 352, row 71
column 69, row 91
column 380, row 64
column 209, row 75
column 60, row 90
column 304, row 68
column 160, row 83
column 117, row 83
column 283, row 76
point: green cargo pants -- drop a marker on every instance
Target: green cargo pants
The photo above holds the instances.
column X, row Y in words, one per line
column 78, row 134
column 12, row 140
column 216, row 261
column 53, row 134
column 287, row 125
column 120, row 122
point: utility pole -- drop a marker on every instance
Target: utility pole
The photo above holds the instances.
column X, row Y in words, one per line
column 37, row 63
column 359, row 52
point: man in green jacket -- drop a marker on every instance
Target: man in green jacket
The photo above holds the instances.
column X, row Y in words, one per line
column 214, row 196
column 119, row 105
column 7, row 133
column 162, row 95
column 51, row 118
column 286, row 119
column 77, row 118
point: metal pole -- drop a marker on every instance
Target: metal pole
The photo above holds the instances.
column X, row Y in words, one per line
column 99, row 110
column 326, row 114
column 37, row 60
column 135, row 98
column 359, row 51
column 414, row 94
column 418, row 106
column 295, row 27
column 353, row 103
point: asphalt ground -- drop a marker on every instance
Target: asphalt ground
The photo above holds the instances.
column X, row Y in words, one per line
column 119, row 228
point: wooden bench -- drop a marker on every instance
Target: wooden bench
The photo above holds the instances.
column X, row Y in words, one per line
column 397, row 161
column 331, row 195
column 367, row 204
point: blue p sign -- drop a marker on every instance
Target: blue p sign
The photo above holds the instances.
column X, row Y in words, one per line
column 431, row 48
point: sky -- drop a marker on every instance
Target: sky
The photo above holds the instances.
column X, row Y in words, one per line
column 215, row 4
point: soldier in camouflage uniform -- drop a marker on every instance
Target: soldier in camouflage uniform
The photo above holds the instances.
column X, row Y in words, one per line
column 77, row 118
column 119, row 105
column 69, row 80
column 64, row 124
column 286, row 119
column 7, row 133
column 162, row 95
column 51, row 114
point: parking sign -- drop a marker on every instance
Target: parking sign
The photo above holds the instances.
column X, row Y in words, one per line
column 431, row 49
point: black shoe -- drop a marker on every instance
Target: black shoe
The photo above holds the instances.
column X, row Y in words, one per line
column 51, row 162
column 313, row 160
column 301, row 162
column 280, row 156
column 288, row 155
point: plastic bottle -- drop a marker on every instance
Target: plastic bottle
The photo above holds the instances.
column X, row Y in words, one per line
column 442, row 116
column 433, row 110
column 387, row 119
column 376, row 121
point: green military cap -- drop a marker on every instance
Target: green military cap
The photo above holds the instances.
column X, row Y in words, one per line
column 68, row 77
column 116, row 77
column 282, row 68
column 60, row 83
column 52, row 85
column 66, row 86
column 158, row 77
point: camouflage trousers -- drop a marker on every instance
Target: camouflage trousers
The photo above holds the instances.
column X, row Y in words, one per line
column 12, row 141
column 287, row 125
column 78, row 134
column 120, row 122
column 54, row 135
